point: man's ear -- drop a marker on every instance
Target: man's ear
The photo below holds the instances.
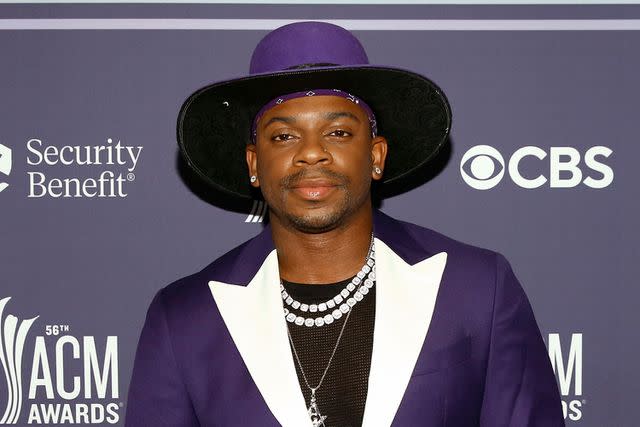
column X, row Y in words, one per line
column 252, row 164
column 378, row 156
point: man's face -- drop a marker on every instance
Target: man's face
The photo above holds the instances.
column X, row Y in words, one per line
column 314, row 158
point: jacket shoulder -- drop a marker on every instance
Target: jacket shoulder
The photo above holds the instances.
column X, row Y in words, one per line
column 415, row 243
column 191, row 294
column 235, row 266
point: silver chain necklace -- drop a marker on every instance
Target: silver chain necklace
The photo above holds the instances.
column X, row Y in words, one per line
column 317, row 419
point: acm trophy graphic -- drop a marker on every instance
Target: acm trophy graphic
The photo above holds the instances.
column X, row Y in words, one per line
column 13, row 333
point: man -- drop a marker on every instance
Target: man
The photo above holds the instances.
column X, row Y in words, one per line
column 335, row 314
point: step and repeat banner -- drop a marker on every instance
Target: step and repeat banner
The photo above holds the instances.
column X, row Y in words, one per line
column 98, row 212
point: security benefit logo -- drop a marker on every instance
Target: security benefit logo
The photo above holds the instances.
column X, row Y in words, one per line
column 5, row 164
column 566, row 359
column 59, row 171
column 55, row 377
column 483, row 167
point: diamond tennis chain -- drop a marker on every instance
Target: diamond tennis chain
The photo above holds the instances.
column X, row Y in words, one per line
column 341, row 303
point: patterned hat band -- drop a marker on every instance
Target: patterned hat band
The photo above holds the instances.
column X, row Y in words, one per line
column 315, row 92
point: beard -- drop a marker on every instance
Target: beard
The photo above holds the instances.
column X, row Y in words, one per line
column 314, row 221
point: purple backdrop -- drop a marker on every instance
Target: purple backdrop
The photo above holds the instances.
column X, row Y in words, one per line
column 537, row 102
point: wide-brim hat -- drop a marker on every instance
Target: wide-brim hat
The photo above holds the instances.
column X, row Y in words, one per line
column 214, row 124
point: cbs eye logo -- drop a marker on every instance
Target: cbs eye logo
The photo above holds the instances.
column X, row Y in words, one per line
column 485, row 167
column 482, row 167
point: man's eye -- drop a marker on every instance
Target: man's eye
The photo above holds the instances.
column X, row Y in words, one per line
column 340, row 133
column 282, row 137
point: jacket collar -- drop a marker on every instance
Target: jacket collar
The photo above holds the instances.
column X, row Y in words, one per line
column 240, row 265
column 407, row 281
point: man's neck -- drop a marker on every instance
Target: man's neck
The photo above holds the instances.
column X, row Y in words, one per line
column 322, row 258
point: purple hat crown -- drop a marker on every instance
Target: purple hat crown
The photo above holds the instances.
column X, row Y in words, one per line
column 306, row 44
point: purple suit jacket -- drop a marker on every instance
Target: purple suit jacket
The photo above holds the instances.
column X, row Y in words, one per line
column 476, row 358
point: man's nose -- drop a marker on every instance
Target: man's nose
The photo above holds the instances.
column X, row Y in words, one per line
column 311, row 150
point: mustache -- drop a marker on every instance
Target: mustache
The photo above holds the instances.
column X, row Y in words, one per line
column 290, row 181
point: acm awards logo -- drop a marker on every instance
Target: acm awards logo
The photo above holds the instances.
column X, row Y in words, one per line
column 482, row 167
column 567, row 365
column 89, row 398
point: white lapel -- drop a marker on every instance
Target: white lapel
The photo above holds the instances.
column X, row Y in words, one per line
column 405, row 298
column 253, row 314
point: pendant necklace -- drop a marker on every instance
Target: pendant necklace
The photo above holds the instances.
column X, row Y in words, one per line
column 317, row 419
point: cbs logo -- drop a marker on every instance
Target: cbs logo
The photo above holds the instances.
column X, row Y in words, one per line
column 483, row 167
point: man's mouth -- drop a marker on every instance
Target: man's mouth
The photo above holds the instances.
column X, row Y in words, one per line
column 314, row 189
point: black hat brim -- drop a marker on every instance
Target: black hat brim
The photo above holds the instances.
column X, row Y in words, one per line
column 214, row 123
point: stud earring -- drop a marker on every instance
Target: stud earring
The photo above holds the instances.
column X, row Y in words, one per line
column 254, row 178
column 377, row 170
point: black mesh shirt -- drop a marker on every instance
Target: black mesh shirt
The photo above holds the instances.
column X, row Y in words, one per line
column 342, row 395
